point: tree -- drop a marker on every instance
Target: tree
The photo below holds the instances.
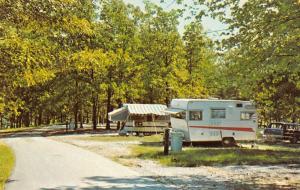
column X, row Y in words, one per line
column 163, row 59
column 35, row 40
column 200, row 62
column 262, row 47
column 118, row 34
column 63, row 60
column 94, row 63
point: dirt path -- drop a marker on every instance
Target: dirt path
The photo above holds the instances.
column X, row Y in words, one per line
column 205, row 177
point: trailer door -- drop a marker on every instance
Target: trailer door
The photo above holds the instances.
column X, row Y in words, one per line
column 199, row 128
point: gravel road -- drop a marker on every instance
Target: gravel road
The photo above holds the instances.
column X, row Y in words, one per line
column 44, row 164
column 204, row 177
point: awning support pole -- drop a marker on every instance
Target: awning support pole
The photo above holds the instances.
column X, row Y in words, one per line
column 153, row 120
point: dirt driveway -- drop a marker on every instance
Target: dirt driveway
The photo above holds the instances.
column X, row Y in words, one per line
column 204, row 177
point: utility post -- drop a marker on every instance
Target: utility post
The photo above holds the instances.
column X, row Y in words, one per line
column 166, row 141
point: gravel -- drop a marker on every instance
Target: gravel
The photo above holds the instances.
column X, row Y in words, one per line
column 204, row 177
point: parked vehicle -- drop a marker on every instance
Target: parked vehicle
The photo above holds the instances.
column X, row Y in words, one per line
column 214, row 120
column 282, row 131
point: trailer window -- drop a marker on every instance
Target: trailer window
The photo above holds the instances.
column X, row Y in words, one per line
column 239, row 105
column 218, row 113
column 196, row 115
column 246, row 115
column 180, row 115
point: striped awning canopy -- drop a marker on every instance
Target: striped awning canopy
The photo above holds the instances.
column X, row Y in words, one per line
column 146, row 109
column 121, row 114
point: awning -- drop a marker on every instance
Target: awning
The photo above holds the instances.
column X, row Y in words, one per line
column 146, row 109
column 121, row 114
column 173, row 110
column 118, row 114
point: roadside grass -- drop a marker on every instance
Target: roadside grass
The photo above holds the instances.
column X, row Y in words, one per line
column 199, row 156
column 117, row 138
column 7, row 160
column 11, row 130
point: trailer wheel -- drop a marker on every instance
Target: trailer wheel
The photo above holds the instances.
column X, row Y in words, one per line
column 228, row 141
column 185, row 143
column 294, row 140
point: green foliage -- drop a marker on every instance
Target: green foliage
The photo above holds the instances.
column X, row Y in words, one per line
column 73, row 59
column 163, row 58
column 37, row 39
column 200, row 62
column 261, row 54
column 7, row 160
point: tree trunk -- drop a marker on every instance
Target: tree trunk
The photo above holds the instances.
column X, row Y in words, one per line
column 87, row 117
column 94, row 111
column 40, row 119
column 1, row 121
column 151, row 98
column 61, row 118
column 81, row 119
column 108, row 107
column 35, row 120
column 19, row 121
column 99, row 118
column 31, row 118
column 119, row 106
column 12, row 121
column 48, row 119
column 94, row 103
column 167, row 99
column 76, row 106
column 76, row 116
column 26, row 119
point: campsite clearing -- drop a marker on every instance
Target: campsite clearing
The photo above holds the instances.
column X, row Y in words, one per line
column 145, row 157
column 150, row 147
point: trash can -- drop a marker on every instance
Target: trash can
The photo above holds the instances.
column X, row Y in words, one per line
column 176, row 141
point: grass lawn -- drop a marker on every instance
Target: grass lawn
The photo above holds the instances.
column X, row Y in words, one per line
column 116, row 138
column 198, row 156
column 7, row 160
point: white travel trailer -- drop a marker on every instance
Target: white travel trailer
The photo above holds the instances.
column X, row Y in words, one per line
column 213, row 120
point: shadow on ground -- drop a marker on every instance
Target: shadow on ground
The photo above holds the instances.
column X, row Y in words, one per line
column 155, row 183
column 278, row 144
column 52, row 132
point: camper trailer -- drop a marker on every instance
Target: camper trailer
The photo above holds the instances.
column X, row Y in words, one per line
column 141, row 118
column 213, row 120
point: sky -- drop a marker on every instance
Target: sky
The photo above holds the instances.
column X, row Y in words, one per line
column 209, row 24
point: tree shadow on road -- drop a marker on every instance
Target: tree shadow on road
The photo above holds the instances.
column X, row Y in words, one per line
column 164, row 183
column 116, row 183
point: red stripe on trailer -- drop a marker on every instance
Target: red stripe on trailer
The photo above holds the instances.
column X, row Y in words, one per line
column 225, row 128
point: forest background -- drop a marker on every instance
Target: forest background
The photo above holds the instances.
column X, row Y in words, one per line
column 80, row 59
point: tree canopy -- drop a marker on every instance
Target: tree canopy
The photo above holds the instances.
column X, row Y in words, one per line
column 74, row 59
column 261, row 54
